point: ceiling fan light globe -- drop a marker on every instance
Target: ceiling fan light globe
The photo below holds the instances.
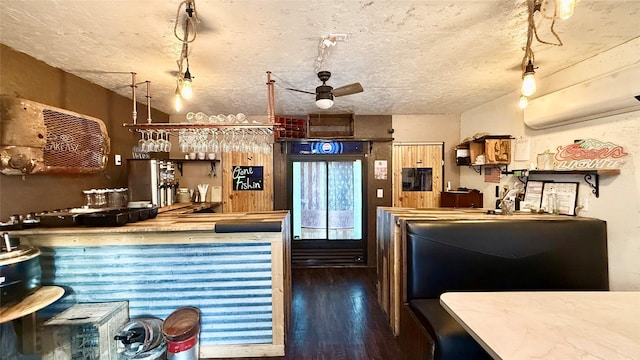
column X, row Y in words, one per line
column 324, row 103
column 324, row 100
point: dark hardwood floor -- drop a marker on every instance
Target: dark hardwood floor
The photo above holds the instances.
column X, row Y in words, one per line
column 336, row 316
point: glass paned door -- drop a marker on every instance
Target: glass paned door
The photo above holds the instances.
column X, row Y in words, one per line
column 327, row 200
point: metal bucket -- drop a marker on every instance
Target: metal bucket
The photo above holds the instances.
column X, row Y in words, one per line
column 141, row 339
column 181, row 331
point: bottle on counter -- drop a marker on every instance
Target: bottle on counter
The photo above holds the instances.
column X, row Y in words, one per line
column 553, row 206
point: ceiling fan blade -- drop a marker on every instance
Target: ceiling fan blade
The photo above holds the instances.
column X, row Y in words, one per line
column 302, row 91
column 348, row 90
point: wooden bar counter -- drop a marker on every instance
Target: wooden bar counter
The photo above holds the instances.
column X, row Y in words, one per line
column 234, row 267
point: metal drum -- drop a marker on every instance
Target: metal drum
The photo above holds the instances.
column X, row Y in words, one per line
column 181, row 330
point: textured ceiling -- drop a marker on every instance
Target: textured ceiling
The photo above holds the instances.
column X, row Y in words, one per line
column 411, row 57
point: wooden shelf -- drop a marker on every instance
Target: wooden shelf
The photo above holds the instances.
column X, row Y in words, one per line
column 180, row 162
column 496, row 149
column 591, row 177
column 478, row 167
column 577, row 172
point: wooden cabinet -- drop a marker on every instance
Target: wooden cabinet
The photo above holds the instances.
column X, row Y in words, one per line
column 496, row 150
column 461, row 199
column 322, row 126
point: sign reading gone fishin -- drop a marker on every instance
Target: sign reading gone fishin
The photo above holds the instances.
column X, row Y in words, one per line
column 248, row 178
column 589, row 154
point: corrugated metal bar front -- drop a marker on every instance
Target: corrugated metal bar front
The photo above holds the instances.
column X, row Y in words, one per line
column 230, row 283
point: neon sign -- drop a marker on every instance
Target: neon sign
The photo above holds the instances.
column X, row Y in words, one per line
column 589, row 154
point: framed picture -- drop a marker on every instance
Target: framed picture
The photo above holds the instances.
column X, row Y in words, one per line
column 532, row 195
column 566, row 193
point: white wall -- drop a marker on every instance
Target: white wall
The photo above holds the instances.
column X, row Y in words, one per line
column 434, row 127
column 619, row 201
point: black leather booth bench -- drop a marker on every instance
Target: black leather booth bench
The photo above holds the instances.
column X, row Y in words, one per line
column 505, row 254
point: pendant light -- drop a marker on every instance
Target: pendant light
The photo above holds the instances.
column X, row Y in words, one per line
column 187, row 90
column 184, row 89
column 528, row 81
column 523, row 102
column 178, row 98
column 565, row 8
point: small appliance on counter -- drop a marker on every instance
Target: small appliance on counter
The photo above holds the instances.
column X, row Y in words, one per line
column 462, row 156
column 108, row 216
column 19, row 222
column 20, row 271
column 152, row 180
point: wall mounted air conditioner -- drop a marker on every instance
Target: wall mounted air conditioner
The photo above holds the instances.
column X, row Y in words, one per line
column 611, row 94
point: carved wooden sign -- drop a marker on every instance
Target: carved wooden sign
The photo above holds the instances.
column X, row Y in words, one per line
column 589, row 154
column 37, row 138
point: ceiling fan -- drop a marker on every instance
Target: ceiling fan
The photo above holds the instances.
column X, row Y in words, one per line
column 325, row 93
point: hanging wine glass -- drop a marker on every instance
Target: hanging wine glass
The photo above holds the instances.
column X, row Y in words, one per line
column 266, row 146
column 159, row 145
column 213, row 142
column 167, row 142
column 244, row 144
column 182, row 141
column 255, row 144
column 142, row 141
column 150, row 143
column 224, row 143
column 155, row 145
column 235, row 143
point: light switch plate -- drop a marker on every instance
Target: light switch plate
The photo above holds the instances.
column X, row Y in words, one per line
column 380, row 193
column 118, row 159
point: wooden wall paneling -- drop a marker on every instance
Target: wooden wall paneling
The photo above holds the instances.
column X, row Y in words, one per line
column 429, row 155
column 247, row 200
column 414, row 340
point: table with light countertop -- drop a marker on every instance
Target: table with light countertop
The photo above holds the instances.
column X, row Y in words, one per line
column 550, row 325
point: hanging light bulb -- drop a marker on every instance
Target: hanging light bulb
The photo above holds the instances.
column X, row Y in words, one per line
column 523, row 102
column 528, row 81
column 565, row 8
column 178, row 99
column 187, row 90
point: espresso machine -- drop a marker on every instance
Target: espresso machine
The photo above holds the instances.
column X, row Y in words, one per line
column 152, row 180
